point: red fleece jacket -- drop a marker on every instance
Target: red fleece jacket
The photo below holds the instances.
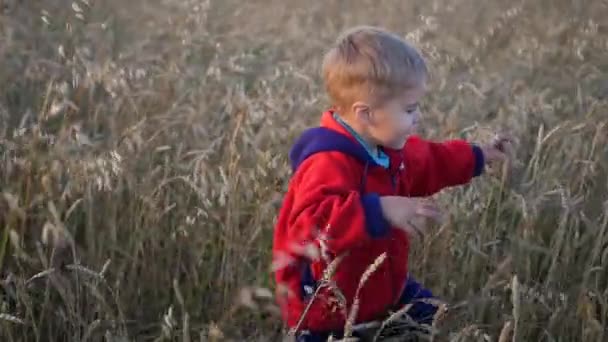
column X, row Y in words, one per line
column 333, row 204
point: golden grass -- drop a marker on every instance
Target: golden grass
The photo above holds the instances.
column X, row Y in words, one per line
column 143, row 149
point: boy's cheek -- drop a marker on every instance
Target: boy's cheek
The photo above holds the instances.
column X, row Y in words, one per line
column 408, row 127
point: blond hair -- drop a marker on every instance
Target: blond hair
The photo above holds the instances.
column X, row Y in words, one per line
column 370, row 64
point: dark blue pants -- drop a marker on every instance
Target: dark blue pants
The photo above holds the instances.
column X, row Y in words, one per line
column 421, row 313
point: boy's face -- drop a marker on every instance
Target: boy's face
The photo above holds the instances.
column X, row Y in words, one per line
column 392, row 122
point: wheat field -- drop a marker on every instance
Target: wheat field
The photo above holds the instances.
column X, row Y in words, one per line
column 143, row 153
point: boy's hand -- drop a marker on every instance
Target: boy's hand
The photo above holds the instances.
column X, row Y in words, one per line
column 499, row 149
column 409, row 214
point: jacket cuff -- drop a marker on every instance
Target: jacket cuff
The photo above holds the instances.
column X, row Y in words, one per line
column 375, row 223
column 479, row 161
column 420, row 312
column 414, row 290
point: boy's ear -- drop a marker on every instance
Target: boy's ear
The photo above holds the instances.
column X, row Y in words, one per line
column 362, row 111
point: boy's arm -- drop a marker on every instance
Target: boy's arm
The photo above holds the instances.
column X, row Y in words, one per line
column 431, row 166
column 328, row 202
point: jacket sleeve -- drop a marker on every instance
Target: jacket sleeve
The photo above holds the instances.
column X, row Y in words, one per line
column 432, row 166
column 327, row 201
column 414, row 293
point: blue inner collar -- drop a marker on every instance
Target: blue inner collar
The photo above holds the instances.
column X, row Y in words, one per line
column 377, row 154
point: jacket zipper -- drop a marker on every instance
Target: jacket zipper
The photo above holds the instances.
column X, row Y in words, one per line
column 393, row 175
column 394, row 180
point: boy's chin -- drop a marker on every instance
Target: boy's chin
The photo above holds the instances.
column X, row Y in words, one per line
column 396, row 145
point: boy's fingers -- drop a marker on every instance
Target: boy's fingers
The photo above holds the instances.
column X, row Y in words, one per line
column 438, row 218
column 412, row 229
column 506, row 136
column 430, row 211
column 500, row 156
column 427, row 210
column 428, row 205
column 498, row 153
column 502, row 146
column 502, row 141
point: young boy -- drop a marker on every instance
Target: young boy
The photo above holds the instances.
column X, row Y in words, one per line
column 352, row 194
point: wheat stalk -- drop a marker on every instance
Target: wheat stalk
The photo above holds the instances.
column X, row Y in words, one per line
column 325, row 282
column 505, row 332
column 352, row 316
column 516, row 307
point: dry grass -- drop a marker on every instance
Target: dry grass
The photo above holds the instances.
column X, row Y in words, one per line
column 142, row 148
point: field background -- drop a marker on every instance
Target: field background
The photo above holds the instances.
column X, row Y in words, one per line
column 143, row 150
